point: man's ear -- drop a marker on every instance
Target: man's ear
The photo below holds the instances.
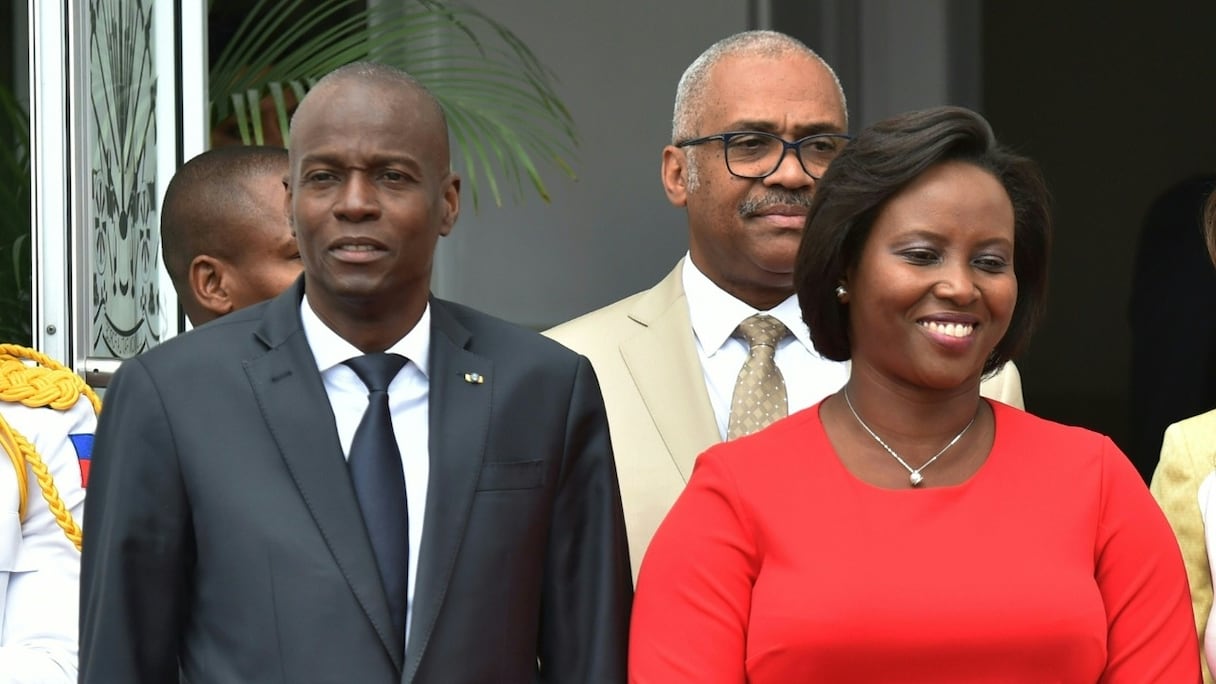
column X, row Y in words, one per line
column 674, row 172
column 287, row 204
column 451, row 203
column 208, row 278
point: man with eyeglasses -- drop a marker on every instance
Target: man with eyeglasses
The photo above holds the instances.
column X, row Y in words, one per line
column 758, row 118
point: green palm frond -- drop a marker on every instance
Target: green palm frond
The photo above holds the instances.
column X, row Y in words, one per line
column 503, row 109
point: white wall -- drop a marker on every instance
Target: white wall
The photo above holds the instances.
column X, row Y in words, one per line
column 611, row 232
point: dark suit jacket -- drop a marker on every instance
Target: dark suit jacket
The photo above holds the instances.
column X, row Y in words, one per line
column 222, row 533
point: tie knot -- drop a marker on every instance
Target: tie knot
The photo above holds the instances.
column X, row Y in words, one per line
column 762, row 329
column 376, row 370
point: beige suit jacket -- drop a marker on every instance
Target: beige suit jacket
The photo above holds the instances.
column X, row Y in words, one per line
column 1188, row 455
column 644, row 354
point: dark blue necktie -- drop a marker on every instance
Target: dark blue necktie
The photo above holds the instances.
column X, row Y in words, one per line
column 375, row 471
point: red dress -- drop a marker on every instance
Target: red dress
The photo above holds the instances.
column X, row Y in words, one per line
column 1051, row 564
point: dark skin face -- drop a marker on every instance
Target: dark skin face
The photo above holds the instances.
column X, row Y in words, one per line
column 934, row 290
column 932, row 294
column 370, row 193
column 269, row 260
column 261, row 262
column 744, row 233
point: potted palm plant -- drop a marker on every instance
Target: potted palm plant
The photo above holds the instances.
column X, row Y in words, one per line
column 502, row 106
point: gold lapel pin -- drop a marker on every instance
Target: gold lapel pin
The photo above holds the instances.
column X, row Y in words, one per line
column 474, row 378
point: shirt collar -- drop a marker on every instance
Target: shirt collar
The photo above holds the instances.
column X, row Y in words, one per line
column 715, row 313
column 330, row 349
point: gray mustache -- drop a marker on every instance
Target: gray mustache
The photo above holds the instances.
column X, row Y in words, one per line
column 756, row 205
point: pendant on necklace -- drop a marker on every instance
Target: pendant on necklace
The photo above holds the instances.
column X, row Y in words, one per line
column 914, row 476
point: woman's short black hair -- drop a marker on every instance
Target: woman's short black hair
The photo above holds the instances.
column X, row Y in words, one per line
column 876, row 166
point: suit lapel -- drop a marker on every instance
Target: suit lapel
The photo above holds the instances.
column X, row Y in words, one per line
column 459, row 426
column 292, row 398
column 662, row 360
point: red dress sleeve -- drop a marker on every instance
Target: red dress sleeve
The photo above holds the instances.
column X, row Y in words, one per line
column 1150, row 630
column 694, row 589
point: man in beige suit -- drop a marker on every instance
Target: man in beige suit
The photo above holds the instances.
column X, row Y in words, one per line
column 1184, row 485
column 668, row 358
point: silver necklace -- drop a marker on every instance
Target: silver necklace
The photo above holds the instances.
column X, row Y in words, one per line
column 914, row 475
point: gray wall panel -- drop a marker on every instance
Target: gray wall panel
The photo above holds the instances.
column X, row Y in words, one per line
column 611, row 232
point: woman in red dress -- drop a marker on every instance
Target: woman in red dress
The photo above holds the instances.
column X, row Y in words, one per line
column 905, row 529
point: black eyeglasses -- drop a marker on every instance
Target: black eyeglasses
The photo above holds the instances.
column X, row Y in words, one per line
column 755, row 154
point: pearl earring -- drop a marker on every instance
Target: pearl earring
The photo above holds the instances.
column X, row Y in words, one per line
column 841, row 292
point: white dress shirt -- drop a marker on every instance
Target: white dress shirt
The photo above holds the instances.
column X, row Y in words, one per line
column 39, row 566
column 408, row 396
column 715, row 315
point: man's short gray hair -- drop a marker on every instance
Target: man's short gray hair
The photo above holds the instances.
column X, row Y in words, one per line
column 691, row 90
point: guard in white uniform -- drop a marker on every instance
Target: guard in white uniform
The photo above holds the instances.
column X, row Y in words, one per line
column 47, row 419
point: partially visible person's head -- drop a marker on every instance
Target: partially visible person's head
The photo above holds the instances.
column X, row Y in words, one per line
column 864, row 190
column 1209, row 225
column 743, row 232
column 224, row 234
column 371, row 191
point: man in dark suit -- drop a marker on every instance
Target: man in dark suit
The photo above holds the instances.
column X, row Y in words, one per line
column 226, row 535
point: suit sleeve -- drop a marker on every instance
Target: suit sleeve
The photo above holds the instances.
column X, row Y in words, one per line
column 1175, row 486
column 694, row 589
column 588, row 585
column 137, row 540
column 1150, row 627
column 38, row 610
column 1005, row 386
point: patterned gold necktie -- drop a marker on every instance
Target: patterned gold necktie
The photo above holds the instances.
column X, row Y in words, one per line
column 759, row 397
